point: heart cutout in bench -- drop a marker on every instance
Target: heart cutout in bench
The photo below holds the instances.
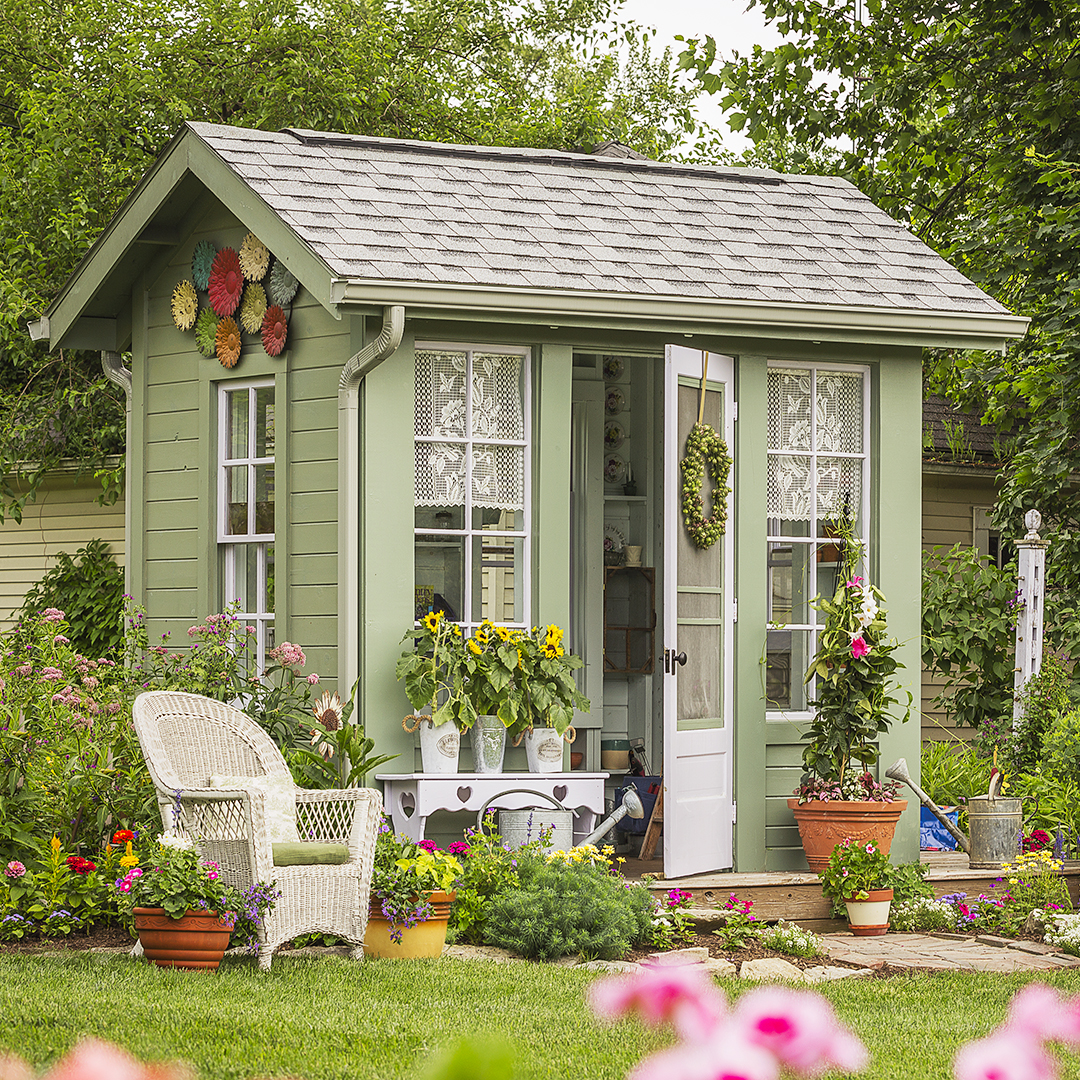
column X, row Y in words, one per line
column 463, row 793
column 407, row 804
column 559, row 791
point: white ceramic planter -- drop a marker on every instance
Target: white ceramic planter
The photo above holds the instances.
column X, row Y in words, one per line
column 870, row 917
column 488, row 736
column 543, row 750
column 440, row 747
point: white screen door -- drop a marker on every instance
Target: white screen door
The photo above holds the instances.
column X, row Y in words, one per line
column 697, row 648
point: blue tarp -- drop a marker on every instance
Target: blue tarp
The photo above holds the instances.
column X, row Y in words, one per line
column 933, row 836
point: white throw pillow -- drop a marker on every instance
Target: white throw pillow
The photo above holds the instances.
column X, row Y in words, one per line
column 280, row 802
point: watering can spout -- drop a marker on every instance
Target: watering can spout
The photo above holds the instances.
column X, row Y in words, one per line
column 898, row 770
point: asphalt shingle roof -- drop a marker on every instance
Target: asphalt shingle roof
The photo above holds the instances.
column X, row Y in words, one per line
column 427, row 213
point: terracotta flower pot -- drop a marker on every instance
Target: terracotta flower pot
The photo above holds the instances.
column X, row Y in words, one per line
column 423, row 939
column 823, row 824
column 195, row 940
column 870, row 917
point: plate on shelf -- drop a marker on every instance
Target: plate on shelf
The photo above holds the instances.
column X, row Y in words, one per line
column 613, row 435
column 613, row 368
column 614, row 469
column 614, row 403
column 614, row 541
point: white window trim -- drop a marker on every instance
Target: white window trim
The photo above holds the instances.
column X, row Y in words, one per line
column 228, row 542
column 525, row 534
column 802, row 715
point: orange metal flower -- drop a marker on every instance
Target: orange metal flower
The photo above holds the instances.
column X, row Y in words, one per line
column 228, row 342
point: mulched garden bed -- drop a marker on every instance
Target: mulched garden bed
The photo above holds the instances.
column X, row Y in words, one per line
column 100, row 937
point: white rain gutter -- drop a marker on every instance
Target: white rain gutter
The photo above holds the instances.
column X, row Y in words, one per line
column 116, row 373
column 366, row 360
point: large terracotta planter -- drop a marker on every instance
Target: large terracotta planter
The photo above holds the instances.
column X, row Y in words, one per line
column 823, row 824
column 423, row 939
column 870, row 917
column 196, row 940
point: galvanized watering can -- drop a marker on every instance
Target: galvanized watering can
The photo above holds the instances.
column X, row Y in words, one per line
column 995, row 823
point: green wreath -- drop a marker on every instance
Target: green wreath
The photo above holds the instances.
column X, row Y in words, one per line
column 705, row 447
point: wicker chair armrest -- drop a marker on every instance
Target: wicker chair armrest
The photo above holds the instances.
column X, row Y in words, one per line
column 326, row 815
column 216, row 816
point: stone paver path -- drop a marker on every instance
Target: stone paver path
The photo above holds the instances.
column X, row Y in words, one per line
column 947, row 952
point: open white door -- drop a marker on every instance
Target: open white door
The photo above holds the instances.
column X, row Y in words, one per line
column 699, row 608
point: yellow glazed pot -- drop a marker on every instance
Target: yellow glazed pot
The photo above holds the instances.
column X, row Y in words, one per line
column 424, row 939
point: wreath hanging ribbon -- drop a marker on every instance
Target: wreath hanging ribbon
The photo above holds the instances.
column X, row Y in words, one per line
column 705, row 449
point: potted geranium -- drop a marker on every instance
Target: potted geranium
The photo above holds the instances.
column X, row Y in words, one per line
column 859, row 875
column 412, row 888
column 853, row 677
column 433, row 670
column 183, row 910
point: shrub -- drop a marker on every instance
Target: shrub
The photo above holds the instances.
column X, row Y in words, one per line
column 1061, row 746
column 569, row 908
column 1044, row 699
column 89, row 588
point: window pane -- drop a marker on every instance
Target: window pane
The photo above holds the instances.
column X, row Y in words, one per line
column 498, row 520
column 498, row 589
column 440, row 474
column 788, row 491
column 789, row 409
column 439, row 517
column 440, row 576
column 789, row 593
column 236, row 499
column 839, row 488
column 237, row 413
column 264, row 421
column 498, row 477
column 440, row 394
column 839, row 412
column 268, row 599
column 498, row 396
column 787, row 656
column 698, row 682
column 264, row 498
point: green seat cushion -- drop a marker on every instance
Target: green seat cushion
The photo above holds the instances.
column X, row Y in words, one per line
column 302, row 854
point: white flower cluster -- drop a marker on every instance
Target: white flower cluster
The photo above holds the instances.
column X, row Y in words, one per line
column 868, row 608
column 793, row 940
column 1061, row 930
column 922, row 913
column 175, row 840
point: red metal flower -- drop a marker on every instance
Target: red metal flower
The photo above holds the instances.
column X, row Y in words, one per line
column 274, row 330
column 226, row 282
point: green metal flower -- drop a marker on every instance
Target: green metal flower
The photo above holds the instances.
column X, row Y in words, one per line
column 281, row 286
column 202, row 259
column 206, row 326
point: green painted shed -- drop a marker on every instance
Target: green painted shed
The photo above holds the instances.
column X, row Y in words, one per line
column 493, row 357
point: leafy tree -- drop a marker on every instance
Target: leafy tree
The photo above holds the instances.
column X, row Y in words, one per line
column 962, row 119
column 91, row 92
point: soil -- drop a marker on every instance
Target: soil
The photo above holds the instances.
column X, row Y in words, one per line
column 99, row 937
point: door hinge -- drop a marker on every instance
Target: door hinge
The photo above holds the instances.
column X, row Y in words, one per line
column 734, row 412
column 735, row 609
column 734, row 807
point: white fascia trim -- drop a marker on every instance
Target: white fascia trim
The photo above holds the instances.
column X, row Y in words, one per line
column 917, row 326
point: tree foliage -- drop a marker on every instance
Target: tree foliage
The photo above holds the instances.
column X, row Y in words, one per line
column 91, row 92
column 962, row 119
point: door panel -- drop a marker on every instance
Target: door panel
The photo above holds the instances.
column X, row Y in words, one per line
column 698, row 612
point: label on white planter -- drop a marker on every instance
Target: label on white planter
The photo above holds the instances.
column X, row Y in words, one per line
column 448, row 745
column 550, row 750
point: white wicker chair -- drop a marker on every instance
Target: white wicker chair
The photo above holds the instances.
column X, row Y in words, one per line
column 186, row 739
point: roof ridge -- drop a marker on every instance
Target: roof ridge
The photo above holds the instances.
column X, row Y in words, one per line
column 530, row 155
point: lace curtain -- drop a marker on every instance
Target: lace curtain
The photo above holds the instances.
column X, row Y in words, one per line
column 836, row 408
column 454, row 409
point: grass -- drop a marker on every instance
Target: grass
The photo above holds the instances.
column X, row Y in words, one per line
column 323, row 1019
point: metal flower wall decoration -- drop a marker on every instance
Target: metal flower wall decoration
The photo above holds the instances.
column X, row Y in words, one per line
column 236, row 287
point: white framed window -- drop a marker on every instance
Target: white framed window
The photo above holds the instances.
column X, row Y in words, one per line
column 818, row 470
column 473, row 484
column 246, row 505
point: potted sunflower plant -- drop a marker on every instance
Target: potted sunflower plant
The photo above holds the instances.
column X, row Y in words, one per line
column 855, row 691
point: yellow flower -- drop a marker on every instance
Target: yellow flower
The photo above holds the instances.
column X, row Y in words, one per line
column 432, row 619
column 1013, row 881
column 503, row 633
column 455, row 629
column 54, row 843
column 129, row 860
column 474, row 648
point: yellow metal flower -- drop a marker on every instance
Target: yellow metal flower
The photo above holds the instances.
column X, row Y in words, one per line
column 253, row 308
column 185, row 305
column 254, row 258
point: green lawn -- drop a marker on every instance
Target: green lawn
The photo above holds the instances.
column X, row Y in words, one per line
column 329, row 1018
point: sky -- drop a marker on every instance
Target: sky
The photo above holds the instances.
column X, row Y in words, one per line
column 734, row 29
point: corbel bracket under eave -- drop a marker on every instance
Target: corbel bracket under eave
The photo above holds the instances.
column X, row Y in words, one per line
column 115, row 371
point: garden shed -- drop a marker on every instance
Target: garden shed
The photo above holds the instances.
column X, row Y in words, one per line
column 472, row 370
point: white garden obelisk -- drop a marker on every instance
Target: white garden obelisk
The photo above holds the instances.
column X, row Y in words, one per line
column 1029, row 618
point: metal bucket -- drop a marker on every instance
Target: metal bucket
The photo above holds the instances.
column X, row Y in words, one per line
column 994, row 826
column 518, row 827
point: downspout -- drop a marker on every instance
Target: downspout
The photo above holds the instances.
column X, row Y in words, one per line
column 367, row 359
column 116, row 373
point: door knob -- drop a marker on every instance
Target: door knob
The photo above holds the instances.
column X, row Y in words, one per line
column 678, row 658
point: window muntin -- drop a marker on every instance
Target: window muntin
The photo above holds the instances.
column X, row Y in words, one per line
column 471, row 454
column 817, row 470
column 246, row 419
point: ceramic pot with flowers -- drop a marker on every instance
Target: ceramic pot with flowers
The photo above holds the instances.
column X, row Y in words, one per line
column 860, row 876
column 852, row 677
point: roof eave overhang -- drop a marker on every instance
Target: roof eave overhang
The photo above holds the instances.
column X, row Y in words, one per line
column 749, row 318
column 65, row 324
